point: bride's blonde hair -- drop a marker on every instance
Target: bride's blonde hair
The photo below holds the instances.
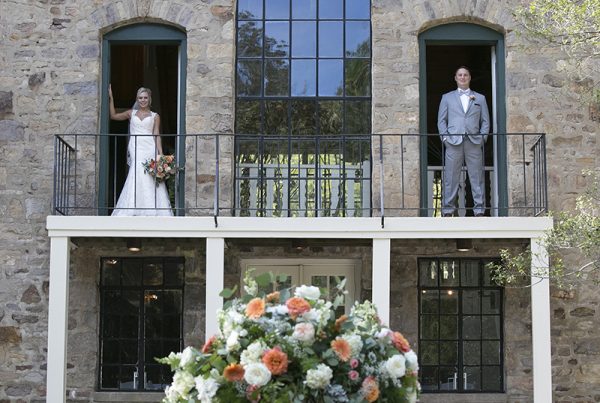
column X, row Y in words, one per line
column 146, row 90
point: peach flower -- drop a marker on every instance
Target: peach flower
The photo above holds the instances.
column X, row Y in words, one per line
column 370, row 389
column 255, row 308
column 207, row 347
column 273, row 297
column 276, row 361
column 297, row 306
column 400, row 342
column 233, row 373
column 342, row 349
column 339, row 322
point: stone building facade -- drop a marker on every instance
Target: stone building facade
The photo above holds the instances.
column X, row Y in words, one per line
column 52, row 82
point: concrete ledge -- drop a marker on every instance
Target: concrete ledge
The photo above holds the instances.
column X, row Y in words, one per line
column 463, row 398
column 128, row 397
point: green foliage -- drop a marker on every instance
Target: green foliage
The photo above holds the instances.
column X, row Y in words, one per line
column 575, row 235
column 574, row 27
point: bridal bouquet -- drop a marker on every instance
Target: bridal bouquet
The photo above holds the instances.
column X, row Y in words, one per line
column 162, row 169
column 286, row 348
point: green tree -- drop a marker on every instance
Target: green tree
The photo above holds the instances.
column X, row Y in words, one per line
column 573, row 245
column 574, row 27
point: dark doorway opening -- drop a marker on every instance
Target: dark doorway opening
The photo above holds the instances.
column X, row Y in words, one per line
column 442, row 61
column 133, row 66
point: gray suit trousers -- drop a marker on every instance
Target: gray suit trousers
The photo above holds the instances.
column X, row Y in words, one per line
column 456, row 155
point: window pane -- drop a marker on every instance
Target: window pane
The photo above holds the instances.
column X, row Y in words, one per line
column 428, row 273
column 358, row 117
column 470, row 273
column 449, row 327
column 304, row 117
column 472, row 327
column 331, row 73
column 156, row 378
column 277, row 77
column 448, row 301
column 172, row 301
column 307, row 46
column 358, row 77
column 491, row 327
column 429, row 327
column 153, row 273
column 249, row 9
column 249, row 76
column 277, row 39
column 249, row 39
column 491, row 302
column 247, row 117
column 111, row 271
column 491, row 352
column 472, row 378
column 332, row 9
column 428, row 353
column 110, row 326
column 126, row 378
column 448, row 353
column 276, row 114
column 110, row 352
column 330, row 117
column 129, row 352
column 174, row 273
column 277, row 9
column 132, row 273
column 129, row 326
column 429, row 378
column 470, row 302
column 110, row 377
column 472, row 353
column 358, row 39
column 429, row 301
column 331, row 39
column 152, row 326
column 492, row 379
column 304, row 78
column 449, row 272
column 448, row 378
column 356, row 9
column 304, row 9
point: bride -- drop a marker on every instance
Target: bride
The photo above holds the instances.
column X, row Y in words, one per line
column 140, row 195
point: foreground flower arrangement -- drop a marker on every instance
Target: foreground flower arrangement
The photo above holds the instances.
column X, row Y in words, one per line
column 162, row 169
column 291, row 348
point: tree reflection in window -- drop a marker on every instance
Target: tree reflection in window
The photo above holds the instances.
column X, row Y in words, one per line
column 303, row 74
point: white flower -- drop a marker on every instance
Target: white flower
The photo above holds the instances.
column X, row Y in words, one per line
column 187, row 357
column 278, row 310
column 257, row 374
column 183, row 382
column 318, row 378
column 383, row 333
column 304, row 332
column 395, row 366
column 412, row 362
column 355, row 342
column 207, row 388
column 252, row 353
column 319, row 315
column 308, row 292
column 233, row 341
column 171, row 395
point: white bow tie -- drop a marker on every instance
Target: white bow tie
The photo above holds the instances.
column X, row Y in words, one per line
column 465, row 92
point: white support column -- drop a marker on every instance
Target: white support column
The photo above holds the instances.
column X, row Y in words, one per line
column 381, row 278
column 540, row 323
column 215, row 270
column 58, row 306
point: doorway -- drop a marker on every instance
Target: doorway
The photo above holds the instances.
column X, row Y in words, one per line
column 141, row 55
column 443, row 49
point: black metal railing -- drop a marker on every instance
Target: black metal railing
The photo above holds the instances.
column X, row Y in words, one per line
column 310, row 176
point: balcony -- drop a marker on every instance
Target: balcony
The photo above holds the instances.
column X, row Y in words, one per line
column 377, row 175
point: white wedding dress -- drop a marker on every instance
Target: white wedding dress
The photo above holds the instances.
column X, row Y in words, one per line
column 140, row 195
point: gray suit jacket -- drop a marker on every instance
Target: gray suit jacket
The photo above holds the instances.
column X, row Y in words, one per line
column 453, row 121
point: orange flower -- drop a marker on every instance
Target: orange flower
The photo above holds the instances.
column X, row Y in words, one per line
column 233, row 372
column 273, row 297
column 370, row 389
column 339, row 322
column 400, row 342
column 276, row 361
column 255, row 308
column 297, row 306
column 207, row 347
column 341, row 348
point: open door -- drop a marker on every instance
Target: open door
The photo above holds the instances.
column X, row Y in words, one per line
column 141, row 55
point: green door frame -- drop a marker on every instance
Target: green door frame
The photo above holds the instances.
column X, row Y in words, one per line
column 468, row 35
column 141, row 34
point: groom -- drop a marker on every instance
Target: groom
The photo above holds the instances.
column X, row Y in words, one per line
column 463, row 124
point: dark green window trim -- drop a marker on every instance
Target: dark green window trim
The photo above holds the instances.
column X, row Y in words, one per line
column 467, row 35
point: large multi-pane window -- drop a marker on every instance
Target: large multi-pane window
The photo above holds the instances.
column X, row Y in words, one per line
column 303, row 100
column 141, row 302
column 460, row 326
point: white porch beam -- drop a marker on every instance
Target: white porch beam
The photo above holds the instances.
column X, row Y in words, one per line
column 215, row 270
column 58, row 306
column 381, row 278
column 540, row 323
